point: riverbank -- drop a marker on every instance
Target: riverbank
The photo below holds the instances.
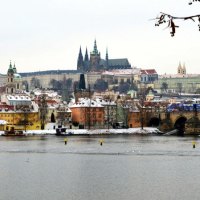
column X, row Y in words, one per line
column 144, row 131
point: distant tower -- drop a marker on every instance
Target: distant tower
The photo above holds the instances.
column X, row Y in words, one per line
column 86, row 61
column 107, row 64
column 179, row 71
column 184, row 69
column 10, row 85
column 80, row 63
column 95, row 58
column 14, row 69
column 14, row 80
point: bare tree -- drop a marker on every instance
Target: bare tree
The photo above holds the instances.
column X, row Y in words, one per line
column 164, row 18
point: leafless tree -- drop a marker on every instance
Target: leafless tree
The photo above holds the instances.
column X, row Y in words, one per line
column 164, row 18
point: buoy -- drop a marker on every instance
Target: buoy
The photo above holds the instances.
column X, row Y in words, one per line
column 101, row 142
column 193, row 144
column 65, row 140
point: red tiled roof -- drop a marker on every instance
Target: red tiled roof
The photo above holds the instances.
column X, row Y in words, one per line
column 148, row 71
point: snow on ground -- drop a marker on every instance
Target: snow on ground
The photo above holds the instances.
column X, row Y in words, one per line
column 145, row 131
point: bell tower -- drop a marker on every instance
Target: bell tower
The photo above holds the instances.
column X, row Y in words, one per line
column 95, row 58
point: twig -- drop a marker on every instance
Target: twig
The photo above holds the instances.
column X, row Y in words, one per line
column 167, row 18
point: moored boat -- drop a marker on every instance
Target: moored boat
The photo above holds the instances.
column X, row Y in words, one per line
column 13, row 133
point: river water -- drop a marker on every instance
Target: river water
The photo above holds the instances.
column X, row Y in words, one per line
column 123, row 168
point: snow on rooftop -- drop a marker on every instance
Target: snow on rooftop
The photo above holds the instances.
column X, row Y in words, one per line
column 18, row 98
column 122, row 71
column 3, row 122
column 83, row 102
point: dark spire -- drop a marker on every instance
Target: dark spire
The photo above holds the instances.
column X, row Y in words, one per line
column 80, row 60
column 86, row 55
column 82, row 82
column 106, row 54
column 86, row 61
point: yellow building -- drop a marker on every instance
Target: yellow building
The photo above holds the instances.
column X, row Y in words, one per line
column 20, row 120
column 16, row 107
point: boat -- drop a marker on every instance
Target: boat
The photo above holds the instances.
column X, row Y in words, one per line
column 13, row 132
column 63, row 132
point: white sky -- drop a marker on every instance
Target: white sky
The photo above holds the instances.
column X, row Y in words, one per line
column 47, row 34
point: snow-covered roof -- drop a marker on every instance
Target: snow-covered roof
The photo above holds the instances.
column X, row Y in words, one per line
column 18, row 98
column 83, row 102
column 122, row 71
column 3, row 122
column 105, row 102
column 178, row 76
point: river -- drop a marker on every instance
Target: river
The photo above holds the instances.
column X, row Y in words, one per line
column 123, row 168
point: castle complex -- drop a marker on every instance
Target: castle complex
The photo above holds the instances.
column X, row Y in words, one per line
column 96, row 63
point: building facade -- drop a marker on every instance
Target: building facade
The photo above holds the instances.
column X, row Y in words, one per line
column 87, row 113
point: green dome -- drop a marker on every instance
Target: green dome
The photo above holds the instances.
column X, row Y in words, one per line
column 17, row 76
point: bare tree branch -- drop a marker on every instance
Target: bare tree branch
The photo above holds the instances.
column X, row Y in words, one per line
column 169, row 19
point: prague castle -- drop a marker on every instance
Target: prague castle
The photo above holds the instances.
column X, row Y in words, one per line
column 96, row 63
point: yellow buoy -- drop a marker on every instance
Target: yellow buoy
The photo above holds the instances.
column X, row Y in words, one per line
column 193, row 144
column 101, row 142
column 65, row 140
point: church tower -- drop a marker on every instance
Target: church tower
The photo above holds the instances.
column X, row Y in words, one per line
column 14, row 80
column 10, row 85
column 181, row 69
column 184, row 69
column 95, row 58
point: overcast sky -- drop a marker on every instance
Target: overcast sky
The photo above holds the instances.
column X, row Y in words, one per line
column 47, row 34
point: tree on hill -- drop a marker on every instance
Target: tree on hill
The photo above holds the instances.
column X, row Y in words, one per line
column 164, row 87
column 100, row 85
column 35, row 82
column 164, row 18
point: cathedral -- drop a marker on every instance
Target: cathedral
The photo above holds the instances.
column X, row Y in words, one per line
column 94, row 62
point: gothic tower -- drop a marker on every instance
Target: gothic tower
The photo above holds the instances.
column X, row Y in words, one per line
column 95, row 58
column 86, row 61
column 184, row 69
column 80, row 63
column 181, row 69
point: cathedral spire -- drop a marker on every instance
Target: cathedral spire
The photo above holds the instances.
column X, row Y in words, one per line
column 95, row 51
column 86, row 55
column 80, row 60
